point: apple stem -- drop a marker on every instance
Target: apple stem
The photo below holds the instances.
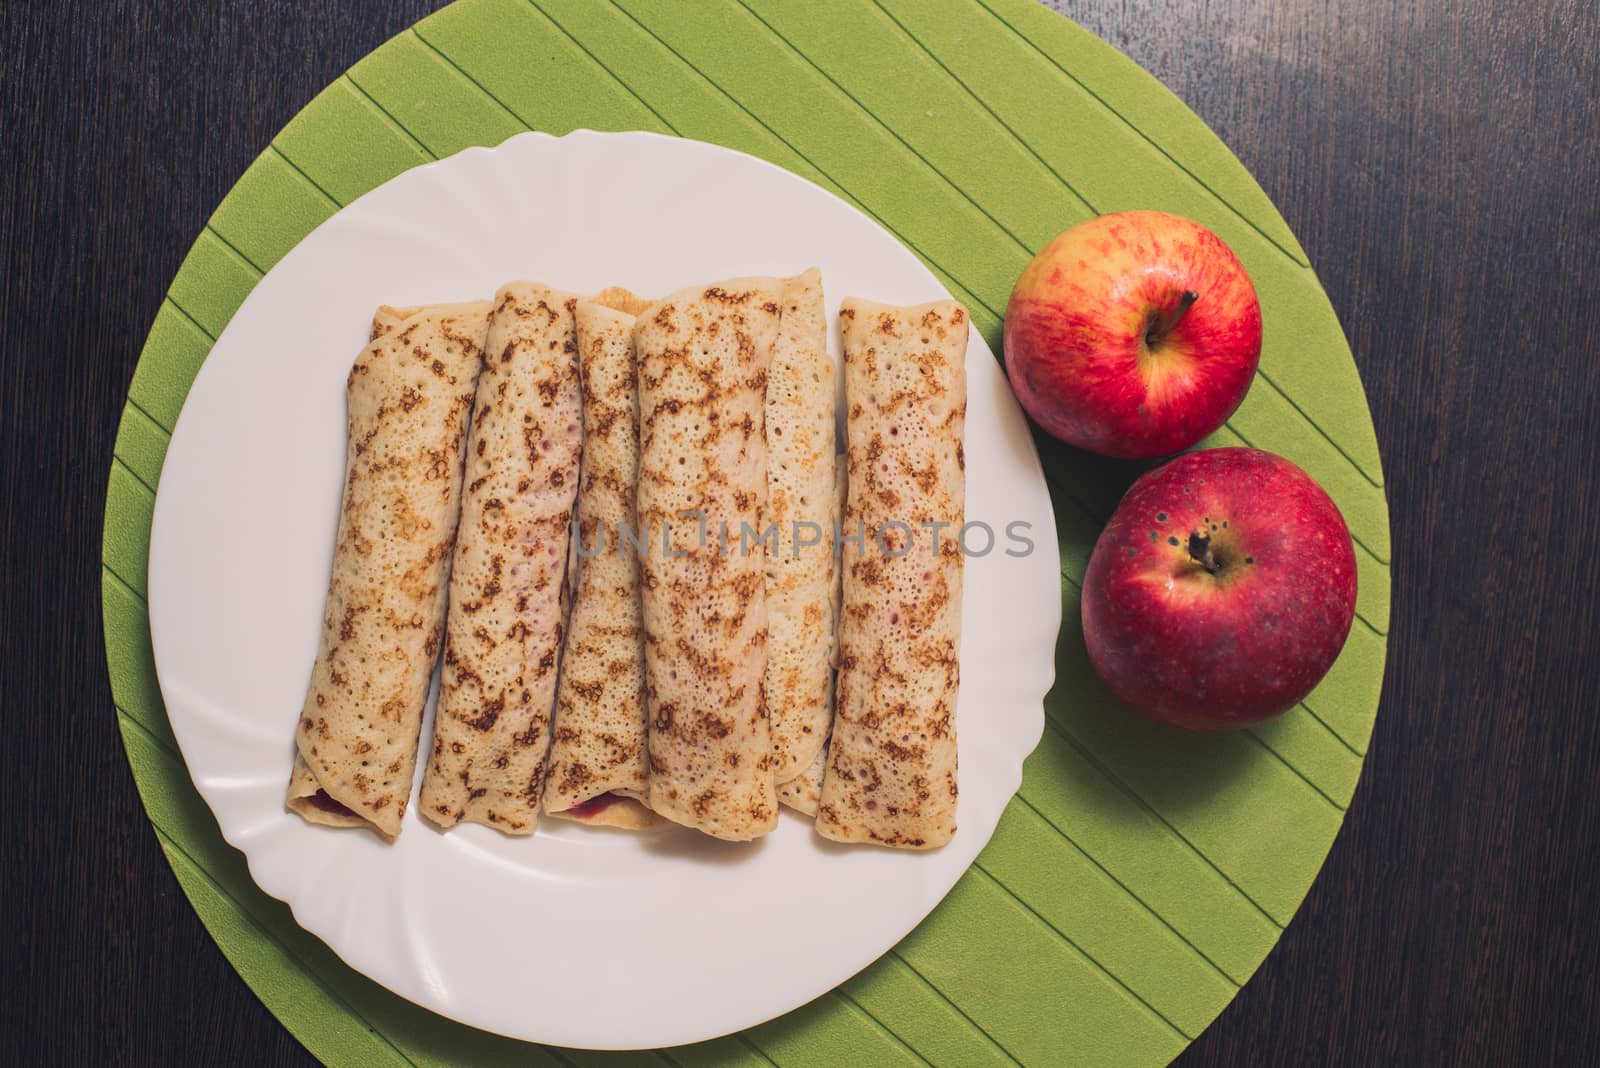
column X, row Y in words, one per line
column 1161, row 326
column 1200, row 552
column 1185, row 302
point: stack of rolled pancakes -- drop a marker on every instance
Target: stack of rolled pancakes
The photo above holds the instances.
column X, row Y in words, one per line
column 658, row 593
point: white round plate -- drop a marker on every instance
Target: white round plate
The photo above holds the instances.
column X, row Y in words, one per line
column 577, row 936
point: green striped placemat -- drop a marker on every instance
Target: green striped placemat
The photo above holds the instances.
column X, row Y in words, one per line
column 1141, row 875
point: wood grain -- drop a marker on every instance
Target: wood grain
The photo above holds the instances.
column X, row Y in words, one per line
column 1436, row 160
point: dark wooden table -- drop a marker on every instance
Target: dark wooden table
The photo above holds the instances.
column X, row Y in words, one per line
column 1439, row 160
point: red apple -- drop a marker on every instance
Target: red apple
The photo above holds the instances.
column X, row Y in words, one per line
column 1134, row 334
column 1221, row 591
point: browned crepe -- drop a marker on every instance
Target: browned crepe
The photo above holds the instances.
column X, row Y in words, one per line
column 801, row 505
column 597, row 770
column 891, row 775
column 803, row 792
column 703, row 356
column 409, row 396
column 503, row 641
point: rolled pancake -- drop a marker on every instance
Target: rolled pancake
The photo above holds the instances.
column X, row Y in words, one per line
column 597, row 771
column 891, row 775
column 503, row 638
column 623, row 300
column 703, row 356
column 408, row 396
column 803, row 793
column 800, row 503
